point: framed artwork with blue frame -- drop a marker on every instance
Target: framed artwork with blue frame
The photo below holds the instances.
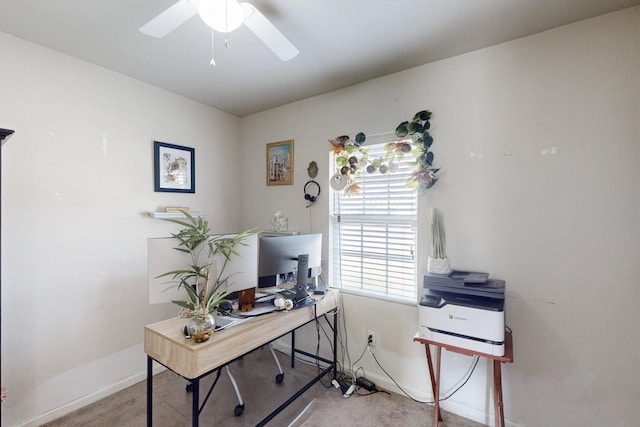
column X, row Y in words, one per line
column 173, row 168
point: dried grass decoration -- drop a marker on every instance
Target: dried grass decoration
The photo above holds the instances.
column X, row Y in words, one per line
column 438, row 263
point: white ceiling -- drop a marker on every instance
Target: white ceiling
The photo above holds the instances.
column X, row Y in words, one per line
column 341, row 42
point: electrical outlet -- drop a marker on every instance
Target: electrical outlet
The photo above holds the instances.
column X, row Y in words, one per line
column 371, row 338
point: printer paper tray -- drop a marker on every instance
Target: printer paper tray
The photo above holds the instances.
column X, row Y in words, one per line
column 474, row 344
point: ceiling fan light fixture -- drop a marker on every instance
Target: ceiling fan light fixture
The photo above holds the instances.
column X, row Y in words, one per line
column 223, row 16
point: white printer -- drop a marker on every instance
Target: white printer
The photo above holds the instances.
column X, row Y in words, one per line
column 463, row 309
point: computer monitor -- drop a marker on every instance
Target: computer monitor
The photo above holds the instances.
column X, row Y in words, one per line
column 242, row 269
column 290, row 258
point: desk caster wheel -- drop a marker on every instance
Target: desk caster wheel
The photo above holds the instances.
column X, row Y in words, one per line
column 279, row 378
column 189, row 388
column 239, row 409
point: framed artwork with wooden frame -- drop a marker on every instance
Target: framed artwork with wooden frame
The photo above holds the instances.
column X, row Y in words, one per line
column 174, row 168
column 280, row 163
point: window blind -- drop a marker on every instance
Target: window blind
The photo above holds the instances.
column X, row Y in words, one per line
column 373, row 233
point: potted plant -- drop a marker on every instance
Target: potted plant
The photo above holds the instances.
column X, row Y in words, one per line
column 201, row 280
column 438, row 263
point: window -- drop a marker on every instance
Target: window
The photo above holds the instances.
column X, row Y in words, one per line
column 373, row 233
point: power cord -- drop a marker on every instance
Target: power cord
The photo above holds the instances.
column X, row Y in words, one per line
column 474, row 363
column 349, row 378
column 344, row 381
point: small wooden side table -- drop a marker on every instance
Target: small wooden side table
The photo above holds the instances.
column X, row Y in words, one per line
column 497, row 372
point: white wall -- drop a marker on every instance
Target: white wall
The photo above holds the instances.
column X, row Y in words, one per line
column 539, row 141
column 77, row 183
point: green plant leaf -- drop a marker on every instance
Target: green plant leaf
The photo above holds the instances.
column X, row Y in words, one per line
column 428, row 140
column 402, row 130
column 414, row 127
column 422, row 115
column 191, row 292
column 175, row 273
column 184, row 304
column 412, row 183
column 430, row 158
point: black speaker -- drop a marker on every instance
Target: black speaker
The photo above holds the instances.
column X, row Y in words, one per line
column 303, row 274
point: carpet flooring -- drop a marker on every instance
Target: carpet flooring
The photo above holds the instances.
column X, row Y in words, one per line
column 320, row 406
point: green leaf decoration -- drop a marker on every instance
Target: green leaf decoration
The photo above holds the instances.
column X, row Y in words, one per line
column 412, row 137
column 428, row 140
column 351, row 149
column 430, row 158
column 422, row 115
column 414, row 127
column 402, row 130
column 413, row 183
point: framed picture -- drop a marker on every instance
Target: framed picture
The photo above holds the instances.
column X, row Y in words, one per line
column 173, row 168
column 280, row 163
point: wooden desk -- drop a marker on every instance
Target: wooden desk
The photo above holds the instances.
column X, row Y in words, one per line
column 165, row 343
column 497, row 373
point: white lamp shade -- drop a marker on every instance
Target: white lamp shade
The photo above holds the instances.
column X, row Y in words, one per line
column 223, row 16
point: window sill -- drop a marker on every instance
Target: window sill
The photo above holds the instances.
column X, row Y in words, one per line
column 378, row 297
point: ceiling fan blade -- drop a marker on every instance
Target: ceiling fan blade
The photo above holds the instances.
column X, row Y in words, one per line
column 268, row 33
column 170, row 19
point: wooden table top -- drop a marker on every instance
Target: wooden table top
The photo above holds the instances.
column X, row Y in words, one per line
column 164, row 341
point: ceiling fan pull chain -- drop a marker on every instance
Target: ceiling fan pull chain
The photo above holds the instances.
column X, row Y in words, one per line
column 213, row 61
column 226, row 24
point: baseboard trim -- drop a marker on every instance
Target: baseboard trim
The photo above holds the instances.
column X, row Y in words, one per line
column 90, row 398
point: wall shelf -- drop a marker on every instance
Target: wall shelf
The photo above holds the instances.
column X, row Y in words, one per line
column 173, row 215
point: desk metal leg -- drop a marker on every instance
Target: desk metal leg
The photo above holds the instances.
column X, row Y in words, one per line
column 497, row 393
column 436, row 394
column 149, row 391
column 195, row 402
column 293, row 349
column 335, row 346
column 435, row 388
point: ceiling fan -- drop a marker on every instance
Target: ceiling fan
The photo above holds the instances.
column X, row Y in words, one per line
column 223, row 16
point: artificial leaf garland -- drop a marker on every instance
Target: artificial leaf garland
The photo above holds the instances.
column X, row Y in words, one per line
column 352, row 159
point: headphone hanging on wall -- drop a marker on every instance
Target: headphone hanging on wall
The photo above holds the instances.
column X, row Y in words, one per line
column 308, row 196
